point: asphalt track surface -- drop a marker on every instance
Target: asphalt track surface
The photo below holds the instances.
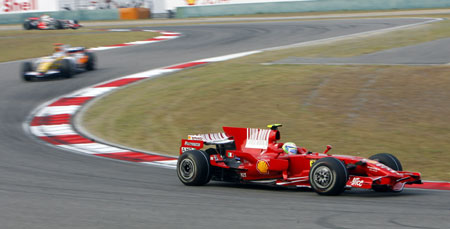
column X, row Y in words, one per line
column 427, row 53
column 45, row 187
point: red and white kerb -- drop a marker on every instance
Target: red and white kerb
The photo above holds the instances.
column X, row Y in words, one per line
column 52, row 122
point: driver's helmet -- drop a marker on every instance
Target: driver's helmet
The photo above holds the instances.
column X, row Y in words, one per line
column 45, row 18
column 59, row 50
column 290, row 148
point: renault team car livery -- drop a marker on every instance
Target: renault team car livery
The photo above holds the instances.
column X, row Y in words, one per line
column 65, row 62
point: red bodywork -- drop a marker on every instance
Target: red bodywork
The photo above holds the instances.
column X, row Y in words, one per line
column 260, row 158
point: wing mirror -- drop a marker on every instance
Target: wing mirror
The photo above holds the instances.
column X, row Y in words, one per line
column 328, row 149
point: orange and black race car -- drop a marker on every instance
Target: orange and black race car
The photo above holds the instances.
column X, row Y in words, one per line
column 252, row 155
column 65, row 62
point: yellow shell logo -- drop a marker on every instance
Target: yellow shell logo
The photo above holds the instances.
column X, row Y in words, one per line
column 262, row 167
column 190, row 2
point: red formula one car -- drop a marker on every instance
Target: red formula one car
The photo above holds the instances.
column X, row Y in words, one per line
column 254, row 155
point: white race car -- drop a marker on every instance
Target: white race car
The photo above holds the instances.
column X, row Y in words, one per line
column 46, row 22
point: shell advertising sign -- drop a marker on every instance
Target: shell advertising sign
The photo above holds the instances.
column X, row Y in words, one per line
column 23, row 6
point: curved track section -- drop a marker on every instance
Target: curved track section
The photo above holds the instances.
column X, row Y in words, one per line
column 53, row 122
column 44, row 187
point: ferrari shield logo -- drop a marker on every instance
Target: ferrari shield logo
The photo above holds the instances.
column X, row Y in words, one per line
column 262, row 167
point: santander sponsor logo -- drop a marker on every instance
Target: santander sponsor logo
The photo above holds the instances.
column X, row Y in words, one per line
column 8, row 6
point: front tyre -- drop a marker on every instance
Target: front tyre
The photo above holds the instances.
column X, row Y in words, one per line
column 26, row 67
column 66, row 68
column 193, row 168
column 328, row 176
column 390, row 161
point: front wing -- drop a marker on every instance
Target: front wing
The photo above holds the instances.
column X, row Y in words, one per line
column 363, row 182
column 42, row 74
column 393, row 183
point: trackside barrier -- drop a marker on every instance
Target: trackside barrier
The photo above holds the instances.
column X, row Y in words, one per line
column 81, row 15
column 306, row 6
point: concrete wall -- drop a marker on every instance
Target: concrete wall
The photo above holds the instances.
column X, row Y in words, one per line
column 309, row 6
column 81, row 15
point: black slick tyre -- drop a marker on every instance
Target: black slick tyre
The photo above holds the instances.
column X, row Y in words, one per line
column 27, row 25
column 26, row 67
column 193, row 168
column 59, row 24
column 66, row 68
column 328, row 176
column 90, row 65
column 390, row 161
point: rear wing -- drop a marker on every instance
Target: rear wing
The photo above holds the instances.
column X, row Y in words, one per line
column 74, row 49
column 253, row 139
column 196, row 142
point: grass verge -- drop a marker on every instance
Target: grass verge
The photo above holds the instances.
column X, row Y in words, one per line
column 360, row 110
column 17, row 45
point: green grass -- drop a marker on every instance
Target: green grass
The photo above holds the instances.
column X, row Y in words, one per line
column 360, row 110
column 16, row 45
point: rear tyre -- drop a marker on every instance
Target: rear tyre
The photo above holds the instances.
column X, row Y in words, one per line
column 90, row 65
column 59, row 24
column 66, row 68
column 390, row 161
column 193, row 168
column 328, row 176
column 26, row 67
